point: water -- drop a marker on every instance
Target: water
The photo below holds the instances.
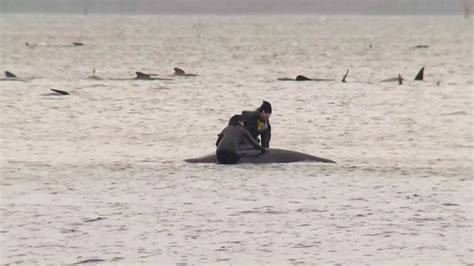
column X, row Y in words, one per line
column 100, row 174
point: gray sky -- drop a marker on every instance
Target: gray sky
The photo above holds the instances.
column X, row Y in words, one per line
column 237, row 6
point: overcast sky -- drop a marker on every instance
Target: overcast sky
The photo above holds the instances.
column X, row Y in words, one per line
column 237, row 6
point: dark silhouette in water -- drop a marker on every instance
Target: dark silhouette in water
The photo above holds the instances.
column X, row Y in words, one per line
column 420, row 74
column 179, row 72
column 303, row 78
column 9, row 74
column 271, row 156
column 61, row 92
column 143, row 76
column 345, row 76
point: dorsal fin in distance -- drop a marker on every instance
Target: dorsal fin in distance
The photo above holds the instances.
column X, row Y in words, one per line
column 345, row 76
column 179, row 71
column 9, row 74
column 142, row 75
column 61, row 92
column 400, row 79
column 301, row 77
column 420, row 74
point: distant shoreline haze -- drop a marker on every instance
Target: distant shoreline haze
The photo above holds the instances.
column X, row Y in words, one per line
column 324, row 7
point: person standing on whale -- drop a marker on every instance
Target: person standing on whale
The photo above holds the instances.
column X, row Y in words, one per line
column 258, row 124
column 227, row 151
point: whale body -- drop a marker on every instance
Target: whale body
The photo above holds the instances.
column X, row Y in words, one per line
column 271, row 156
column 9, row 76
column 180, row 72
column 303, row 78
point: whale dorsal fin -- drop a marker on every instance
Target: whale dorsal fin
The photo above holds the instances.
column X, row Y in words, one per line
column 420, row 74
column 179, row 71
column 9, row 74
column 61, row 92
column 345, row 76
column 301, row 77
column 400, row 79
column 141, row 75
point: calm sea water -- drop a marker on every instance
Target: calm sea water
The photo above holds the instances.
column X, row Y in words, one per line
column 99, row 175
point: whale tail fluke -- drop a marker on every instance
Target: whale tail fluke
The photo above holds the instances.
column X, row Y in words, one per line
column 345, row 76
column 9, row 74
column 301, row 78
column 420, row 74
column 61, row 92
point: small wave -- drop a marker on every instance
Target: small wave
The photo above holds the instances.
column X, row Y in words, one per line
column 455, row 113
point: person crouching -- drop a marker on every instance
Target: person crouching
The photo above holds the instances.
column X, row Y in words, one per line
column 228, row 141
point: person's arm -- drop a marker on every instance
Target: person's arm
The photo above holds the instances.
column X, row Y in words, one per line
column 219, row 138
column 252, row 140
column 266, row 136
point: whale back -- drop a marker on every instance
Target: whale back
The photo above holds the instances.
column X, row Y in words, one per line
column 9, row 74
column 271, row 156
column 141, row 75
column 178, row 71
column 301, row 78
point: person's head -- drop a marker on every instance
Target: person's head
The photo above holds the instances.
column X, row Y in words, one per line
column 236, row 120
column 265, row 111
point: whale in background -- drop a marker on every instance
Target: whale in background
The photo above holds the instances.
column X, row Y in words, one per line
column 180, row 72
column 418, row 77
column 10, row 76
column 271, row 156
column 141, row 76
column 304, row 78
column 60, row 92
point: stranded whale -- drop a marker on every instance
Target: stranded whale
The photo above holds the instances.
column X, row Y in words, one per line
column 271, row 156
column 179, row 72
column 418, row 77
column 141, row 76
column 303, row 78
column 9, row 76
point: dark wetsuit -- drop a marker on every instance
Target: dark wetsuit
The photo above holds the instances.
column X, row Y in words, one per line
column 251, row 120
column 227, row 144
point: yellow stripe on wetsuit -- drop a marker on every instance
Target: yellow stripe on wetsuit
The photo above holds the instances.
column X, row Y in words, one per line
column 261, row 126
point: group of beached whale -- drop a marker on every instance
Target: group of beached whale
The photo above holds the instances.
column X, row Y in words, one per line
column 271, row 156
column 9, row 76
